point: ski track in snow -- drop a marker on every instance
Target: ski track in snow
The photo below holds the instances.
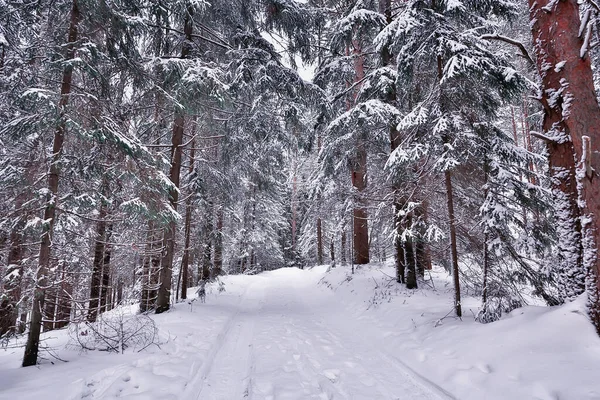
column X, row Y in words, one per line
column 278, row 347
column 278, row 339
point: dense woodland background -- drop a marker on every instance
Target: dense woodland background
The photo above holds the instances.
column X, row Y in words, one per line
column 146, row 145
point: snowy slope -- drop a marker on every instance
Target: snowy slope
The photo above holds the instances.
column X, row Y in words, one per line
column 292, row 334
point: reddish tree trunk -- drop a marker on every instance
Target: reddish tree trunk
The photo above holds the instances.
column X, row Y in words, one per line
column 166, row 267
column 572, row 127
column 33, row 339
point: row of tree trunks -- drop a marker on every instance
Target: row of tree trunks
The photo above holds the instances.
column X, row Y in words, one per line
column 166, row 267
column 32, row 346
column 572, row 132
column 150, row 269
column 58, row 302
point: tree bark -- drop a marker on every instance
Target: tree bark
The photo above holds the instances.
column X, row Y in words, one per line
column 9, row 310
column 319, row 242
column 105, row 288
column 411, row 275
column 360, row 220
column 572, row 125
column 185, row 260
column 453, row 244
column 218, row 254
column 96, row 280
column 166, row 268
column 33, row 338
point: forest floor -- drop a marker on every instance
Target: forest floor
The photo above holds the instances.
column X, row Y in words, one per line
column 317, row 334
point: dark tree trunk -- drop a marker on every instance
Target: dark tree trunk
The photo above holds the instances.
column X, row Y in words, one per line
column 332, row 251
column 572, row 127
column 422, row 257
column 33, row 339
column 411, row 274
column 146, row 272
column 319, row 242
column 218, row 254
column 453, row 244
column 105, row 292
column 185, row 260
column 360, row 220
column 207, row 249
column 400, row 255
column 97, row 265
column 65, row 294
column 9, row 310
column 343, row 248
column 166, row 266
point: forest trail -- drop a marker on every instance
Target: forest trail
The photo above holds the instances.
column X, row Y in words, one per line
column 284, row 340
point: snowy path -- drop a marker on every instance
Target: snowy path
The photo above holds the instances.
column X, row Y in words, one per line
column 279, row 345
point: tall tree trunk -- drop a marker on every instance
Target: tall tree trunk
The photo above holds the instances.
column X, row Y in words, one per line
column 332, row 251
column 319, row 242
column 9, row 310
column 33, row 339
column 207, row 250
column 361, row 223
column 218, row 254
column 146, row 271
column 453, row 244
column 96, row 280
column 422, row 255
column 185, row 259
column 105, row 292
column 166, row 266
column 411, row 274
column 343, row 247
column 359, row 181
column 572, row 131
column 385, row 7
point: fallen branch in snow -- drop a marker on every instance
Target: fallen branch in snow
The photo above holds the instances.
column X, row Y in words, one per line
column 440, row 321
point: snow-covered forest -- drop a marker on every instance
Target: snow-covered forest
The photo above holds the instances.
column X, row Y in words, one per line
column 299, row 199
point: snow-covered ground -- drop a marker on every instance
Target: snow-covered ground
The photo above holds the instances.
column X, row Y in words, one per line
column 312, row 334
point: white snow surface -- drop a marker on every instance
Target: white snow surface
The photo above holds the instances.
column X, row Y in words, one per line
column 318, row 334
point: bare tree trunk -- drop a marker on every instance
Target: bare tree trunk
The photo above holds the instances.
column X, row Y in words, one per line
column 359, row 181
column 319, row 242
column 218, row 253
column 166, row 267
column 422, row 256
column 207, row 250
column 411, row 275
column 185, row 260
column 399, row 246
column 9, row 310
column 65, row 293
column 33, row 339
column 146, row 272
column 343, row 247
column 572, row 131
column 105, row 292
column 96, row 280
column 385, row 7
column 453, row 244
column 332, row 251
